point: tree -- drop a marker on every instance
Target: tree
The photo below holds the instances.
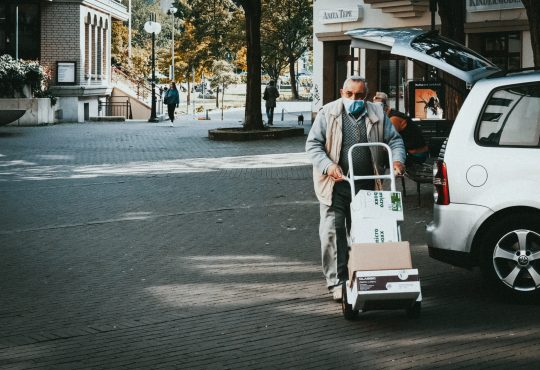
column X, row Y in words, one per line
column 292, row 22
column 210, row 31
column 119, row 40
column 252, row 11
column 224, row 76
column 532, row 7
column 273, row 58
column 140, row 14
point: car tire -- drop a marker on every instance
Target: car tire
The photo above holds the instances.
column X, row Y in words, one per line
column 510, row 255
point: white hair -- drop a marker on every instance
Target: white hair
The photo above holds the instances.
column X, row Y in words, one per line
column 355, row 79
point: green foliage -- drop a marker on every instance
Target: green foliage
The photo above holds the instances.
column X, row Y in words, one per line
column 286, row 29
column 214, row 29
column 16, row 74
column 140, row 14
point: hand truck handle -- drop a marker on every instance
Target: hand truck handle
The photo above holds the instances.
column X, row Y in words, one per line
column 351, row 177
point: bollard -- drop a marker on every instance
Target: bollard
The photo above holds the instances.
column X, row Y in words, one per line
column 207, row 115
column 282, row 114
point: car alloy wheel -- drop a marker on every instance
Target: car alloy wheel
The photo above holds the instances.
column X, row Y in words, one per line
column 516, row 260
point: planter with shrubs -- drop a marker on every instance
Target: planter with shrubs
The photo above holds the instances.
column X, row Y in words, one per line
column 24, row 96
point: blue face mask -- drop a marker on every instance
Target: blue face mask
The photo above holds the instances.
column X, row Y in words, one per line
column 354, row 106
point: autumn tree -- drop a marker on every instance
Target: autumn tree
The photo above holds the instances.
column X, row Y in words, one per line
column 119, row 43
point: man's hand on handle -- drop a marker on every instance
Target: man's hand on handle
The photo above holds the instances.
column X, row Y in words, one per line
column 399, row 168
column 335, row 172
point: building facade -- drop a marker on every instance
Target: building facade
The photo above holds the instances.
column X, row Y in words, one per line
column 72, row 39
column 497, row 29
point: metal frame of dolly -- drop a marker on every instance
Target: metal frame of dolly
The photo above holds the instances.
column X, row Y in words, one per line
column 414, row 310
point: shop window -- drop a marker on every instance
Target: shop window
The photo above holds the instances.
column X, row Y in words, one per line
column 391, row 75
column 28, row 27
column 503, row 49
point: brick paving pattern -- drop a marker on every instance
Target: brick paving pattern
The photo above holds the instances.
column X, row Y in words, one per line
column 144, row 246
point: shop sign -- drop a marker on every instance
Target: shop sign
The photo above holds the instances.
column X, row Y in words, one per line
column 488, row 5
column 340, row 15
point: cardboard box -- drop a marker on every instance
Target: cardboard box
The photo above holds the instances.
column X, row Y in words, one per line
column 371, row 230
column 379, row 256
column 377, row 204
column 384, row 289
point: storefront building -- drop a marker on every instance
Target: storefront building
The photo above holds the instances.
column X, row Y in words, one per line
column 72, row 39
column 497, row 29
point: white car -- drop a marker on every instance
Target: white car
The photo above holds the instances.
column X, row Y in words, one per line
column 487, row 176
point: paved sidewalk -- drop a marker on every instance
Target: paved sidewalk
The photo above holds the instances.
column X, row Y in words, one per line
column 137, row 245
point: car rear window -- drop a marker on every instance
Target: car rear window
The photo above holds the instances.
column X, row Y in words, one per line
column 511, row 117
column 450, row 52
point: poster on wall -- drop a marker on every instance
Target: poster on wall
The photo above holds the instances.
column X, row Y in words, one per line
column 426, row 100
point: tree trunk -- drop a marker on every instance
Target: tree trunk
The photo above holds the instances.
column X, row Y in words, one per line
column 188, row 92
column 253, row 115
column 292, row 73
column 452, row 15
column 533, row 14
column 222, row 99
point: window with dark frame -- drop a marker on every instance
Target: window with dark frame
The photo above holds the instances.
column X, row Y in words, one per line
column 503, row 49
column 29, row 28
column 391, row 74
column 511, row 118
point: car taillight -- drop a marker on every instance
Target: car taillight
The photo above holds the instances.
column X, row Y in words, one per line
column 441, row 195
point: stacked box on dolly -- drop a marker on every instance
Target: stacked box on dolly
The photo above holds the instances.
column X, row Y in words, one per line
column 381, row 275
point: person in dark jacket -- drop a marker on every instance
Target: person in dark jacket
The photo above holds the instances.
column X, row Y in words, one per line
column 271, row 93
column 417, row 150
column 172, row 99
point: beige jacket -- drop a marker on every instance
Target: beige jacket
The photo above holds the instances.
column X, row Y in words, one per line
column 325, row 138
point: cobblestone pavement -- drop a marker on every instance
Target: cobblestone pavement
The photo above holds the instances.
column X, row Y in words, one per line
column 139, row 245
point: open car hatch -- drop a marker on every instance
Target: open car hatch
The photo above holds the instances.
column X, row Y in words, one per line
column 427, row 47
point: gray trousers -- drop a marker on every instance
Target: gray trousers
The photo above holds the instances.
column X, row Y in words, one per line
column 334, row 227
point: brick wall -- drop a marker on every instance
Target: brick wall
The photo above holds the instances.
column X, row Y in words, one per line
column 60, row 35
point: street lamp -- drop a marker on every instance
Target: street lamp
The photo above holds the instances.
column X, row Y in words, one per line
column 154, row 28
column 172, row 10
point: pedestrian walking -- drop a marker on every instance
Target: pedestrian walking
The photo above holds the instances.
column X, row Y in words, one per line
column 270, row 94
column 172, row 99
column 338, row 126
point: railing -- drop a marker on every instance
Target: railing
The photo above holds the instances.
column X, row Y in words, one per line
column 110, row 108
column 140, row 88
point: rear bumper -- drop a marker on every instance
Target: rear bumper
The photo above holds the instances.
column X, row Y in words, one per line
column 450, row 234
